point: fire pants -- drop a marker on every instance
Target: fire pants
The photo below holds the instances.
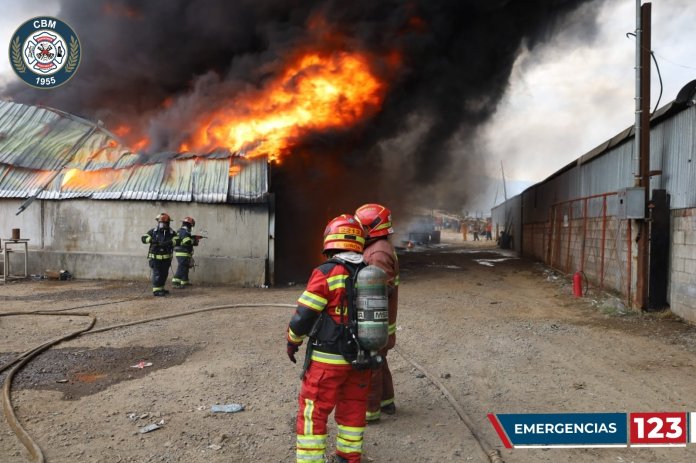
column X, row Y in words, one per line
column 181, row 276
column 324, row 387
column 160, row 270
column 381, row 389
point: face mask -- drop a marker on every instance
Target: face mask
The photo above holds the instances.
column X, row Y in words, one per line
column 162, row 225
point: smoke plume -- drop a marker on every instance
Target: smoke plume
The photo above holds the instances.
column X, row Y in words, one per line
column 160, row 64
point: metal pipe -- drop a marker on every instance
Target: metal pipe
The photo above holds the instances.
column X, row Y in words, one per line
column 637, row 130
column 604, row 234
column 570, row 235
column 629, row 258
column 584, row 235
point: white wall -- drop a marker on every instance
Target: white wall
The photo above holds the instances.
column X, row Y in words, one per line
column 101, row 239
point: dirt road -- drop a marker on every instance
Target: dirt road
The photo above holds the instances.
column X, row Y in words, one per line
column 502, row 336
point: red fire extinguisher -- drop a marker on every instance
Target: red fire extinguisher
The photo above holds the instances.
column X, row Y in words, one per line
column 577, row 284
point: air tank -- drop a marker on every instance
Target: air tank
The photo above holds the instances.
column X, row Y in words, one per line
column 372, row 308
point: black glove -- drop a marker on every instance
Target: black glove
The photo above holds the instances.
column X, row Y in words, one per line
column 292, row 350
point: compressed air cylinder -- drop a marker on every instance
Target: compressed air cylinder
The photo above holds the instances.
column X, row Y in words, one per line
column 372, row 308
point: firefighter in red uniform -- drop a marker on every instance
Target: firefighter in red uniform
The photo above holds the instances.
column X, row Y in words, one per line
column 329, row 379
column 376, row 219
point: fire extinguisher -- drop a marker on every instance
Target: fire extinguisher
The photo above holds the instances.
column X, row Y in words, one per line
column 577, row 283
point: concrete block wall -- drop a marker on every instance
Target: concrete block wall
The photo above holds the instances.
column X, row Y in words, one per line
column 682, row 286
column 101, row 239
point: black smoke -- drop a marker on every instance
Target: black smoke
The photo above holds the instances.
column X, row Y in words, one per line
column 160, row 63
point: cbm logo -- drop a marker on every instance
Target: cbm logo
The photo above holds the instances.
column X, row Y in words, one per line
column 45, row 52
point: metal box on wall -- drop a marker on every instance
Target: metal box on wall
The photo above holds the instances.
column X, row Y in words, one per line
column 631, row 203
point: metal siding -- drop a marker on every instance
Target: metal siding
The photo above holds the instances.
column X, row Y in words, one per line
column 678, row 136
column 251, row 183
column 22, row 183
column 38, row 143
column 210, row 184
column 673, row 146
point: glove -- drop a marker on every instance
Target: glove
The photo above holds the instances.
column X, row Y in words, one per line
column 292, row 350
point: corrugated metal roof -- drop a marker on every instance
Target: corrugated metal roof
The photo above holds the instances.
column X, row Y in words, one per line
column 60, row 156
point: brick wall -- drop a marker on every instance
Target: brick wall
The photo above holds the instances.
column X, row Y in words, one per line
column 682, row 291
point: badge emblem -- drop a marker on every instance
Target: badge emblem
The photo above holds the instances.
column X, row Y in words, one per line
column 45, row 52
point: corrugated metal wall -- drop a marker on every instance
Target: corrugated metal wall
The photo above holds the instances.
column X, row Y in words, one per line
column 570, row 219
column 60, row 156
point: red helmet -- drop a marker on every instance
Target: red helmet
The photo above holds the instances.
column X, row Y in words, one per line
column 190, row 220
column 163, row 217
column 344, row 233
column 376, row 219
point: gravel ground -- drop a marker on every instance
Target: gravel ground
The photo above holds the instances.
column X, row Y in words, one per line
column 502, row 335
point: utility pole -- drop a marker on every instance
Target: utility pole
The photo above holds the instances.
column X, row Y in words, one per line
column 642, row 143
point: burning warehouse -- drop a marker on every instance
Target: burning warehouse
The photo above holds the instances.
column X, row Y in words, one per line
column 83, row 200
column 351, row 102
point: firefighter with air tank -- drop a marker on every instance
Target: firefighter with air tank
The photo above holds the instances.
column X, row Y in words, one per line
column 377, row 222
column 184, row 252
column 343, row 315
column 162, row 240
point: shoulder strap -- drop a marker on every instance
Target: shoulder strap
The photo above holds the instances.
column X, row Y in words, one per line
column 353, row 270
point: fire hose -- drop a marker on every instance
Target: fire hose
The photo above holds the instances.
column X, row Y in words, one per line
column 33, row 448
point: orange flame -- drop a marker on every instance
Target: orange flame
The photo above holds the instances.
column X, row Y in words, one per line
column 82, row 180
column 234, row 170
column 316, row 92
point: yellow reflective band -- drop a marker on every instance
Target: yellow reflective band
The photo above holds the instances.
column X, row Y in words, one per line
column 313, row 301
column 382, row 226
column 392, row 329
column 294, row 337
column 338, row 281
column 182, row 254
column 353, row 431
column 347, row 446
column 309, row 455
column 372, row 416
column 308, row 411
column 396, row 280
column 148, row 238
column 160, row 256
column 332, row 359
column 309, row 442
column 340, row 236
column 384, row 403
column 158, row 288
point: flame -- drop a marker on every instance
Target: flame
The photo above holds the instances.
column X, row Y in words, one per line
column 140, row 144
column 81, row 180
column 314, row 93
column 234, row 170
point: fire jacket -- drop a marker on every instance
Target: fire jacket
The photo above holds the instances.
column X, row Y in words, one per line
column 186, row 243
column 382, row 254
column 161, row 241
column 325, row 293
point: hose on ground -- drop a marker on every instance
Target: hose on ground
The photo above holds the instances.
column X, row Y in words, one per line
column 24, row 437
column 491, row 453
column 33, row 448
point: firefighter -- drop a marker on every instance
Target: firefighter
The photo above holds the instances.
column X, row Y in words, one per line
column 162, row 241
column 376, row 220
column 329, row 380
column 184, row 252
